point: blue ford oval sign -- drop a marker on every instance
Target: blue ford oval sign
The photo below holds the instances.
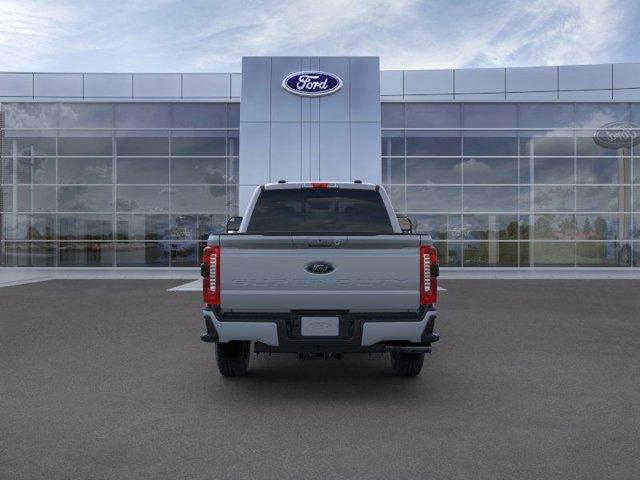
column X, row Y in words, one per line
column 312, row 83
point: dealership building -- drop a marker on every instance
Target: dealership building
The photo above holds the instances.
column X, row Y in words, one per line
column 527, row 167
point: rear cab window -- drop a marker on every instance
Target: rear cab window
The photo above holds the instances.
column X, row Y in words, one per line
column 320, row 211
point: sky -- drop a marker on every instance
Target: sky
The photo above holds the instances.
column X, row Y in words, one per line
column 212, row 36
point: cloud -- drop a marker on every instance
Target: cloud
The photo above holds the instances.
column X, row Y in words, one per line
column 167, row 35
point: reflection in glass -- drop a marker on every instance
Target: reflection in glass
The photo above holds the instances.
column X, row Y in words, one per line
column 36, row 170
column 434, row 170
column 37, row 198
column 393, row 170
column 433, row 143
column 546, row 144
column 490, row 199
column 37, row 254
column 141, row 254
column 434, row 199
column 85, row 254
column 602, row 226
column 83, row 115
column 554, row 227
column 545, row 115
column 146, row 146
column 398, row 197
column 142, row 198
column 554, row 199
column 490, row 143
column 433, row 115
column 142, row 227
column 142, row 170
column 85, row 199
column 392, row 115
column 490, row 254
column 449, row 253
column 30, row 115
column 142, row 115
column 85, row 227
column 603, row 198
column 440, row 227
column 93, row 146
column 32, row 146
column 490, row 115
column 553, row 170
column 199, row 170
column 490, row 170
column 553, row 254
column 603, row 254
column 603, row 170
column 85, row 170
column 199, row 115
column 36, row 227
column 203, row 145
column 210, row 199
column 392, row 143
column 490, row 227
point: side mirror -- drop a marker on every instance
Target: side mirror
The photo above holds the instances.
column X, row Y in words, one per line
column 233, row 224
column 405, row 223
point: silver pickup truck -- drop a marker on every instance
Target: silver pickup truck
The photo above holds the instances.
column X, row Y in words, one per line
column 320, row 269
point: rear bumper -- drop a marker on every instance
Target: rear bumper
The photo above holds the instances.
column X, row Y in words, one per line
column 365, row 332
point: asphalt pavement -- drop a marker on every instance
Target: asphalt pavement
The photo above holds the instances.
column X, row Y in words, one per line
column 532, row 379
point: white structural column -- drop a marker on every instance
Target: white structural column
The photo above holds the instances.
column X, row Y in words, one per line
column 288, row 137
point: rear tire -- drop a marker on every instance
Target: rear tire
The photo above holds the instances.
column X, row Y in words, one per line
column 233, row 358
column 407, row 364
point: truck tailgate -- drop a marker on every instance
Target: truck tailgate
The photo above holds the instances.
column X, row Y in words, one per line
column 377, row 273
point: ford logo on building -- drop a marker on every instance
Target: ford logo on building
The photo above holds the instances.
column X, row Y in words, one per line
column 312, row 83
column 616, row 135
column 319, row 267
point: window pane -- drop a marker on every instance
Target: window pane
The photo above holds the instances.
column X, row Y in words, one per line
column 603, row 227
column 434, row 170
column 440, row 227
column 553, row 254
column 488, row 115
column 198, row 227
column 85, row 227
column 85, row 199
column 199, row 170
column 636, row 170
column 433, row 143
column 490, row 143
column 6, row 199
column 211, row 144
column 85, row 254
column 90, row 146
column 142, row 227
column 490, row 227
column 490, row 170
column 554, row 227
column 233, row 115
column 36, row 170
column 183, row 254
column 35, row 227
column 93, row 115
column 553, row 170
column 199, row 115
column 140, row 254
column 545, row 115
column 434, row 199
column 199, row 199
column 546, row 144
column 602, row 170
column 432, row 115
column 393, row 170
column 392, row 115
column 233, row 170
column 585, row 145
column 37, row 199
column 143, row 199
column 603, row 199
column 449, row 253
column 598, row 114
column 29, row 146
column 233, row 143
column 490, row 254
column 490, row 199
column 85, row 170
column 397, row 195
column 30, row 115
column 142, row 170
column 6, row 170
column 143, row 146
column 142, row 115
column 37, row 254
column 392, row 143
column 603, row 254
column 554, row 199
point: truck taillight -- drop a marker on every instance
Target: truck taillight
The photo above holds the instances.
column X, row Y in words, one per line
column 428, row 275
column 211, row 275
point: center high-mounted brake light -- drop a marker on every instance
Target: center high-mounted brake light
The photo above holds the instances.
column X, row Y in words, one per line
column 211, row 275
column 428, row 275
column 320, row 185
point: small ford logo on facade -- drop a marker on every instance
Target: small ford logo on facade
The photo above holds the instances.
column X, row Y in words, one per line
column 312, row 83
column 319, row 267
column 616, row 135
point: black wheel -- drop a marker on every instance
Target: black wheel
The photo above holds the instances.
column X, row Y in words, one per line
column 233, row 358
column 407, row 364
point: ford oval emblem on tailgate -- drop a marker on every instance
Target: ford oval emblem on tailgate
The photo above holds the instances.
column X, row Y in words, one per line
column 319, row 267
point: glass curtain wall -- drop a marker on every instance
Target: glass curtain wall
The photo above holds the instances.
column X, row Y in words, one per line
column 115, row 184
column 517, row 185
